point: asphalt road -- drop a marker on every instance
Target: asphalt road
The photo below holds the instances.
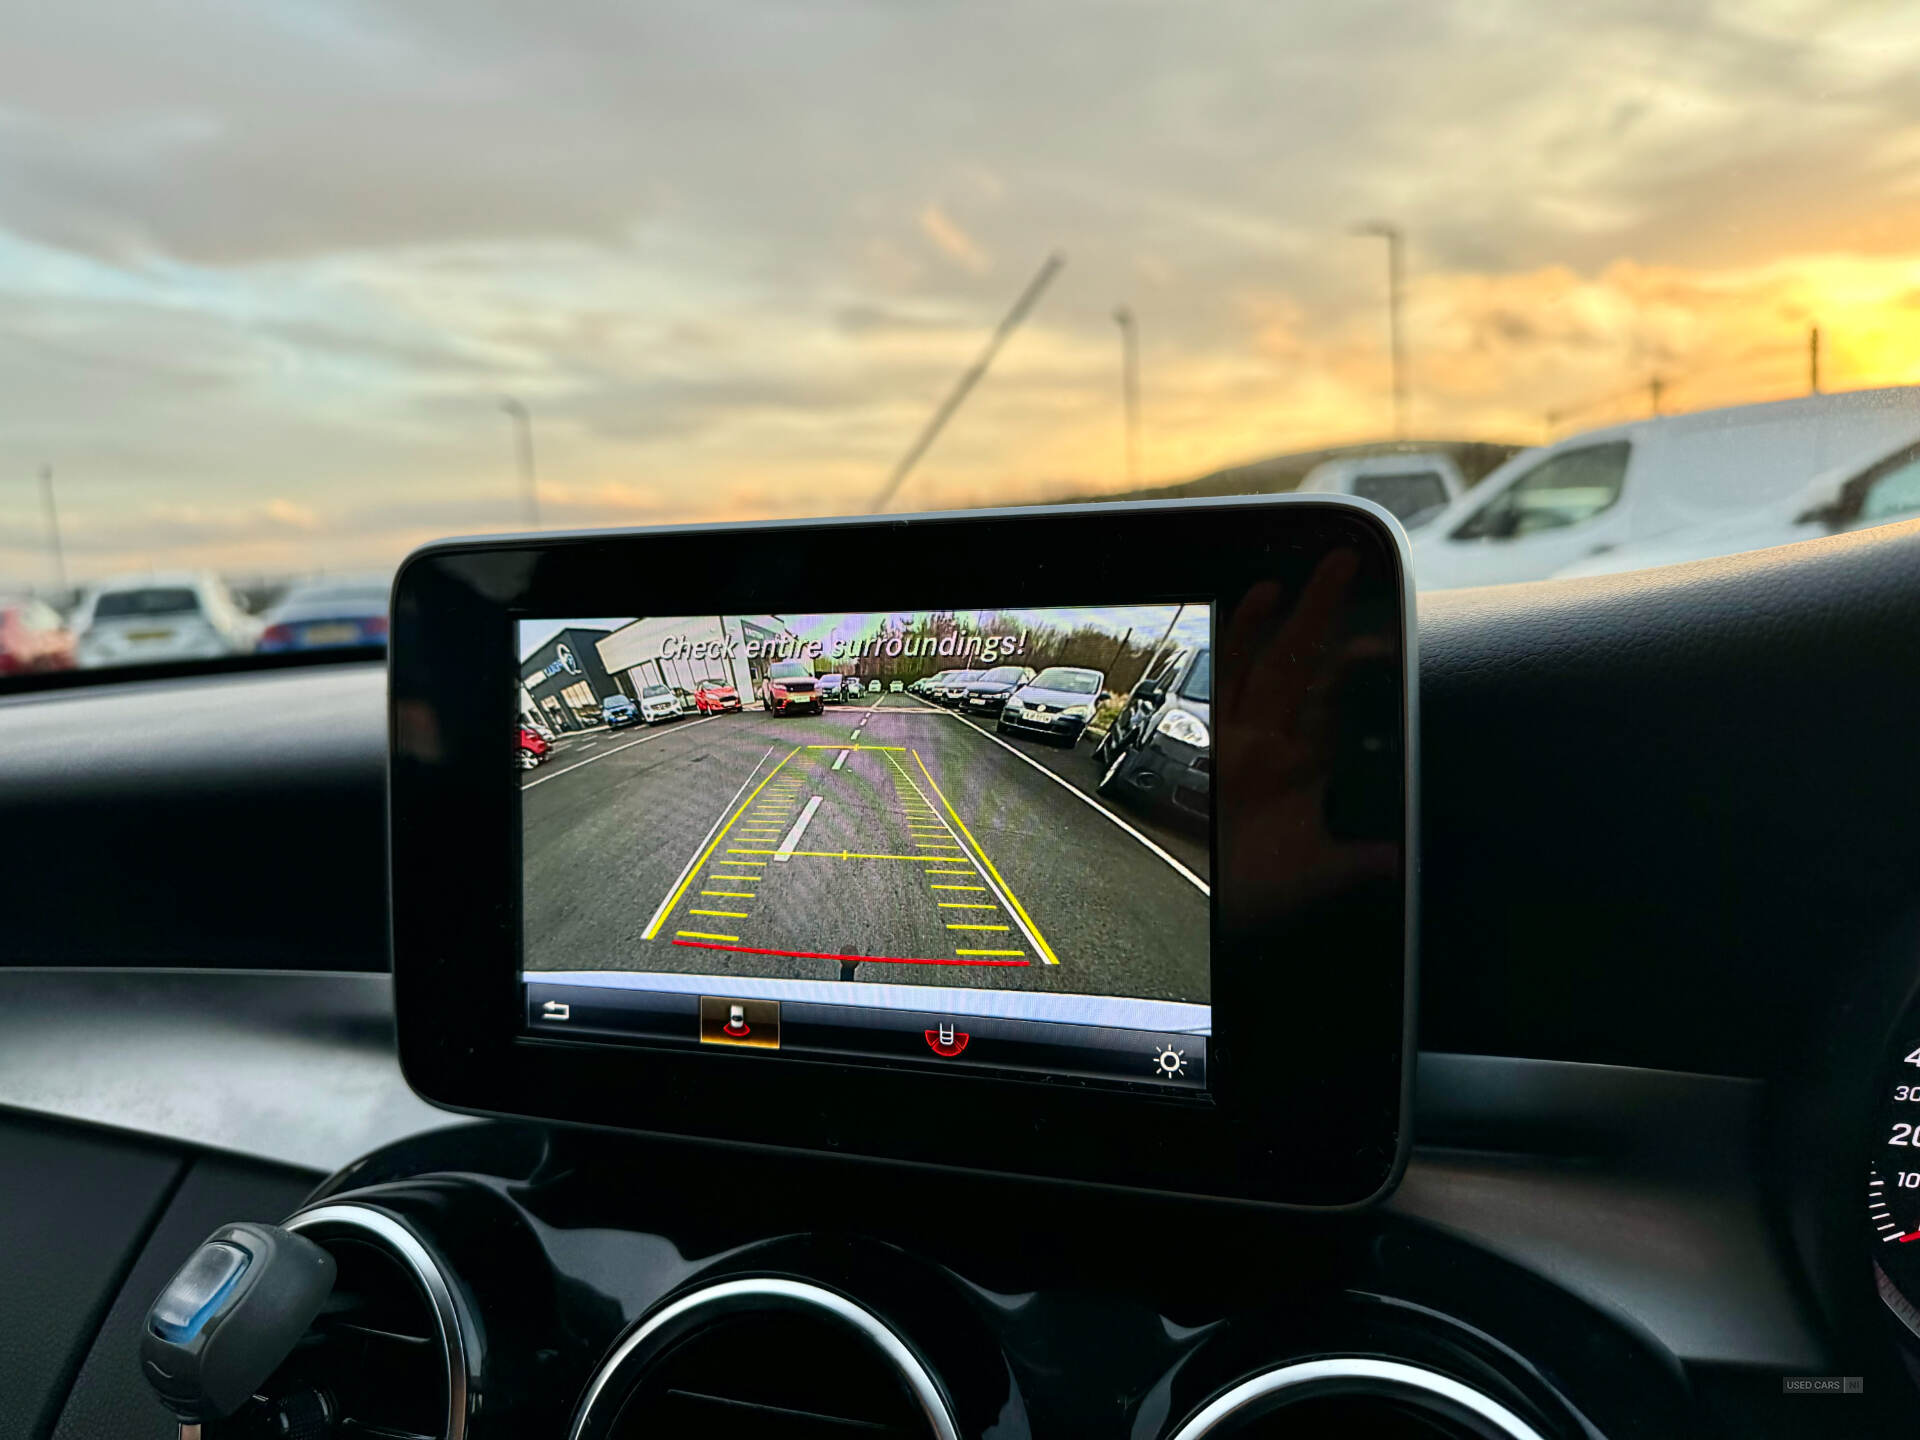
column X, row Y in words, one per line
column 887, row 842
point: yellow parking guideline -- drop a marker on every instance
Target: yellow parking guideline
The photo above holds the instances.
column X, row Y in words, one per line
column 964, row 905
column 981, row 888
column 729, row 894
column 702, row 935
column 1033, row 931
column 707, row 854
column 856, row 747
column 950, row 927
column 722, row 914
column 989, row 952
column 823, row 855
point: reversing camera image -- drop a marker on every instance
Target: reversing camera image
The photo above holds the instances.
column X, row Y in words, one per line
column 1009, row 800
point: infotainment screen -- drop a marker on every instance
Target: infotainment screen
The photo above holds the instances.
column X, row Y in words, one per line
column 1073, row 842
column 970, row 839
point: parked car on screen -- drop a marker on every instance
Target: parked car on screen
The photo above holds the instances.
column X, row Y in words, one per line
column 950, row 690
column 657, row 703
column 328, row 615
column 140, row 619
column 533, row 751
column 619, row 711
column 789, row 686
column 1056, row 703
column 897, row 686
column 986, row 695
column 539, row 729
column 1850, row 497
column 1547, row 510
column 833, row 688
column 1159, row 750
column 1413, row 487
column 711, row 697
column 33, row 639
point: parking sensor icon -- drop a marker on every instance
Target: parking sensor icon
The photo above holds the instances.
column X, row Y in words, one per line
column 946, row 1041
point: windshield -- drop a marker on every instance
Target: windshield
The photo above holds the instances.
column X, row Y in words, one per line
column 715, row 685
column 790, row 670
column 655, row 692
column 127, row 604
column 1001, row 675
column 1071, row 682
column 291, row 291
column 1199, row 682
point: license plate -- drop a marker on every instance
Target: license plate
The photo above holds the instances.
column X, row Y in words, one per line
column 332, row 634
column 149, row 635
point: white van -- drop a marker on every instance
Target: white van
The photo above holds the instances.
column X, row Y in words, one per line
column 1415, row 486
column 1548, row 510
column 1847, row 497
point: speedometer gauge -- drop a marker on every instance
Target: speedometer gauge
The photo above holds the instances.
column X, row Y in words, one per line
column 1893, row 1187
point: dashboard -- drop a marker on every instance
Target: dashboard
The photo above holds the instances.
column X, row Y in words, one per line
column 1663, row 1113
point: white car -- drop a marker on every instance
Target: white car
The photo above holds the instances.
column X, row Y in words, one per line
column 1635, row 485
column 1414, row 487
column 657, row 703
column 1849, row 497
column 139, row 619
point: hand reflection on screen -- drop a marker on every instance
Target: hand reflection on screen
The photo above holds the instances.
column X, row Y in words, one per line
column 1289, row 676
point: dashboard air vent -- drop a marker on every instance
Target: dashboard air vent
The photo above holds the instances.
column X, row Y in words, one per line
column 1355, row 1398
column 771, row 1359
column 385, row 1350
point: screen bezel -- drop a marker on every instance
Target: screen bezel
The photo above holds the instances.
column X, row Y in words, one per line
column 1316, row 1119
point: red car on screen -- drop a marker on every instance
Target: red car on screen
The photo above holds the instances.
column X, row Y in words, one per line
column 33, row 638
column 533, row 751
column 711, row 697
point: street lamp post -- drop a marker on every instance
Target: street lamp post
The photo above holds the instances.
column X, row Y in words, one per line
column 53, row 529
column 1130, row 388
column 1396, row 240
column 523, row 445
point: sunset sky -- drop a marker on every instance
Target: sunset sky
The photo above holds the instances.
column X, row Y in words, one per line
column 266, row 269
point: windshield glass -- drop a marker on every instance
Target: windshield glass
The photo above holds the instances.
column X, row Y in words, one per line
column 1001, row 675
column 292, row 290
column 790, row 670
column 1072, row 682
column 1199, row 682
column 125, row 604
column 655, row 692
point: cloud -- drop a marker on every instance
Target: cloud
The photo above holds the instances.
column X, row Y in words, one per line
column 953, row 242
column 266, row 270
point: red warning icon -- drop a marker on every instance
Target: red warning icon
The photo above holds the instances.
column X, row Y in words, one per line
column 947, row 1041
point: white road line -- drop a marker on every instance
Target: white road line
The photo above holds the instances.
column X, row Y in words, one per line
column 701, row 848
column 792, row 842
column 1076, row 791
column 841, row 758
column 615, row 751
column 856, row 734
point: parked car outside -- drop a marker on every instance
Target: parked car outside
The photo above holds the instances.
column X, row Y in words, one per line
column 789, row 686
column 1159, row 750
column 1056, row 703
column 986, row 695
column 712, row 697
column 33, row 639
column 533, row 751
column 328, row 615
column 1848, row 497
column 657, row 703
column 1414, row 487
column 1628, row 486
column 897, row 686
column 833, row 689
column 141, row 619
column 619, row 711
